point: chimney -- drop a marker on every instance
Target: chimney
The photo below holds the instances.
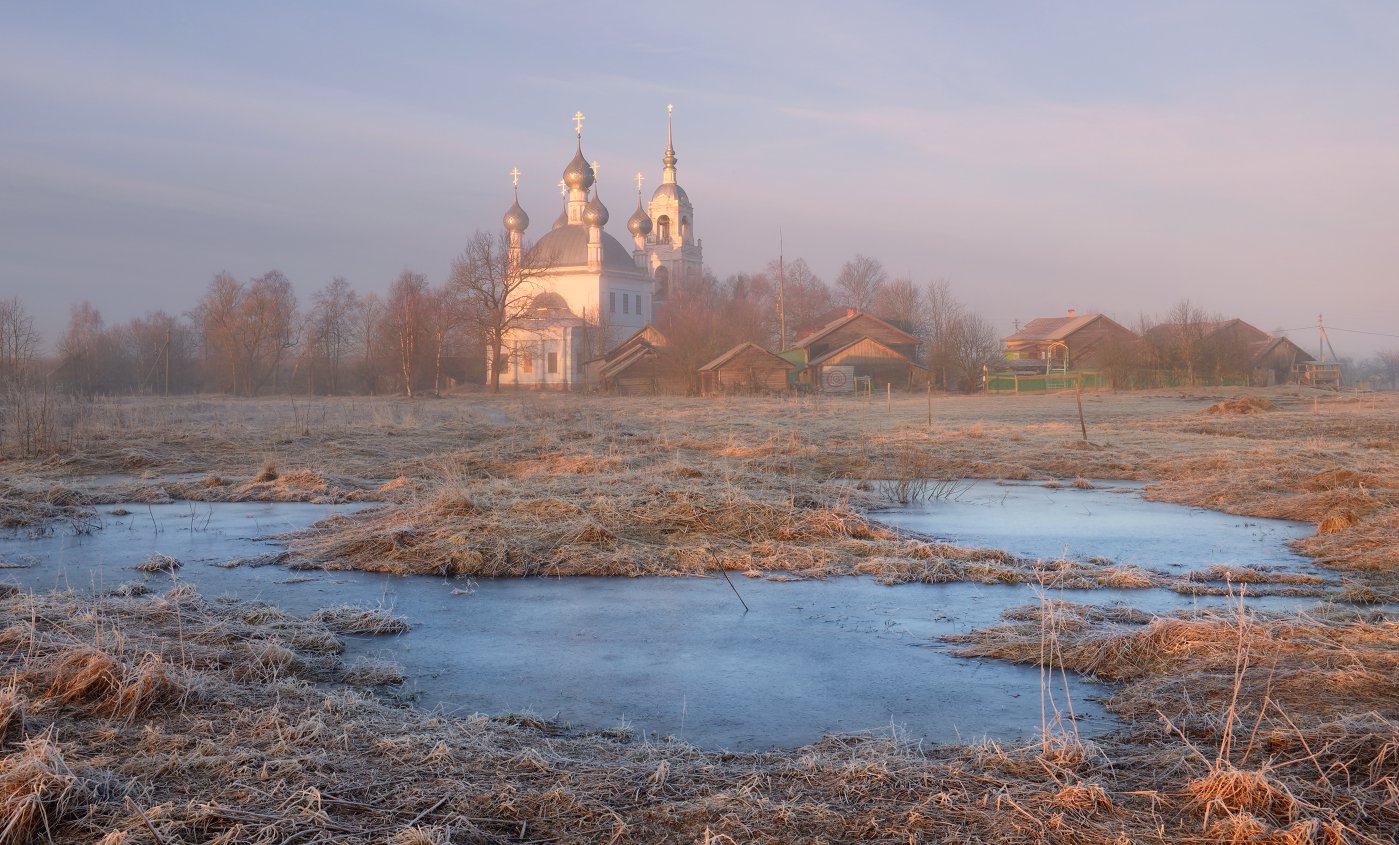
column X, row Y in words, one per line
column 1073, row 313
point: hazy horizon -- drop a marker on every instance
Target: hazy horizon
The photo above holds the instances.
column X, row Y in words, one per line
column 1099, row 157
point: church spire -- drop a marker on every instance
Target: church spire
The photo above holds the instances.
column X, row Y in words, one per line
column 668, row 178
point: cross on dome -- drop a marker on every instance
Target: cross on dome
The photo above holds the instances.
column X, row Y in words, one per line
column 515, row 175
column 578, row 119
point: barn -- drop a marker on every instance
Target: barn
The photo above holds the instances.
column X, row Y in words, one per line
column 846, row 337
column 746, row 368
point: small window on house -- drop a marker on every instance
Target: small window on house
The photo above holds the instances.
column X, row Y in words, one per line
column 612, row 301
column 638, row 304
column 626, row 303
column 553, row 362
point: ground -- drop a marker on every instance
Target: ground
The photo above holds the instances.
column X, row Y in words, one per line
column 175, row 718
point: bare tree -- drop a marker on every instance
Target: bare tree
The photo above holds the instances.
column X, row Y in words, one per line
column 901, row 303
column 19, row 342
column 247, row 329
column 942, row 311
column 406, row 314
column 495, row 291
column 860, row 280
column 87, row 356
column 806, row 295
column 368, row 316
column 329, row 332
column 1384, row 368
column 972, row 347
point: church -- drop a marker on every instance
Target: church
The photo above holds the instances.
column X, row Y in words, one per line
column 595, row 292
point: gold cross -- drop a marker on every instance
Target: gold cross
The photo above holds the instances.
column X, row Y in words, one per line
column 578, row 123
column 639, row 179
column 595, row 169
column 670, row 108
column 515, row 174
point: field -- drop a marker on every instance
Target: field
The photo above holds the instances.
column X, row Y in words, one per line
column 174, row 717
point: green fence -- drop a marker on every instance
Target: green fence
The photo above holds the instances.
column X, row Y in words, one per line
column 1051, row 383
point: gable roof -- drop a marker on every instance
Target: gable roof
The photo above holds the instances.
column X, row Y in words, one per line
column 744, row 347
column 1209, row 329
column 850, row 317
column 1051, row 328
column 619, row 365
column 839, row 349
column 1258, row 350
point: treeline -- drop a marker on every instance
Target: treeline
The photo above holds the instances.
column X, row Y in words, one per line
column 254, row 336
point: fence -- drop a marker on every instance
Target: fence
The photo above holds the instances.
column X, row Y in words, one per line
column 1014, row 383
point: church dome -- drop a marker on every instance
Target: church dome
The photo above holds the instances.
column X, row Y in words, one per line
column 567, row 246
column 640, row 222
column 550, row 301
column 561, row 220
column 516, row 220
column 670, row 191
column 595, row 213
column 578, row 174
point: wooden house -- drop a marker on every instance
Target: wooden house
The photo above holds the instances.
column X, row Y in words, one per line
column 747, row 368
column 842, row 326
column 637, row 366
column 845, row 337
column 1072, row 342
column 868, row 358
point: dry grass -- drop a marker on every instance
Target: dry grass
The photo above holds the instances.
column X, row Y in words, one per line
column 345, row 619
column 285, row 757
column 1265, row 729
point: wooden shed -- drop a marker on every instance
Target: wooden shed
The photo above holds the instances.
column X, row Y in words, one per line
column 880, row 363
column 1276, row 361
column 747, row 368
column 638, row 366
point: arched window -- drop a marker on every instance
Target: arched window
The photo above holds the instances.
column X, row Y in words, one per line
column 662, row 282
column 663, row 227
column 685, row 229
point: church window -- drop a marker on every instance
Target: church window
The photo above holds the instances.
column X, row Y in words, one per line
column 527, row 361
column 626, row 303
column 663, row 227
column 638, row 304
column 685, row 229
column 662, row 281
column 553, row 362
column 612, row 301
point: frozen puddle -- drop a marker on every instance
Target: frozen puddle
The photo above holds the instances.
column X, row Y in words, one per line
column 1112, row 521
column 663, row 656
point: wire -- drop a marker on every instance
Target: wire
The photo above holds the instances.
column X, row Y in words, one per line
column 1358, row 331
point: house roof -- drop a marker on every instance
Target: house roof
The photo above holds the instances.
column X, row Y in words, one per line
column 1210, row 328
column 620, row 364
column 834, row 352
column 851, row 316
column 1260, row 349
column 743, row 347
column 1050, row 328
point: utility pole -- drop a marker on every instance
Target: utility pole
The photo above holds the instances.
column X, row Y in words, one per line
column 168, row 320
column 781, row 295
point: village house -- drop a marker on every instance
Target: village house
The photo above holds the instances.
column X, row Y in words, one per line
column 860, row 346
column 1070, row 342
column 1222, row 351
column 638, row 366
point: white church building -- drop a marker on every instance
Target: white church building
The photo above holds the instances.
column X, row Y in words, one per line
column 595, row 288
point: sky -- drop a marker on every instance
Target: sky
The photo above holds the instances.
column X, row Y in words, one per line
column 1103, row 156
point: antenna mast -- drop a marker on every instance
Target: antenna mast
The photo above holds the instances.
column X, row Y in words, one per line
column 781, row 295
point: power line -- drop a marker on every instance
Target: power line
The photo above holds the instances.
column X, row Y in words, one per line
column 1359, row 331
column 1335, row 329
